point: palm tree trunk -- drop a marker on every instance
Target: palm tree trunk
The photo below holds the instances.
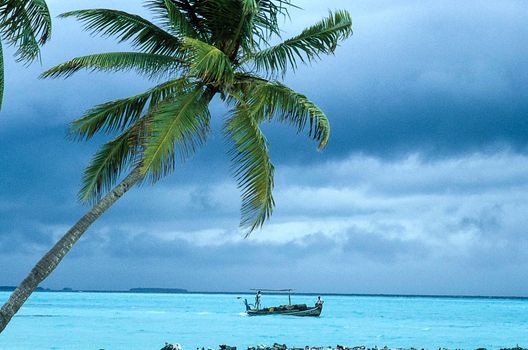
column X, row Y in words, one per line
column 53, row 257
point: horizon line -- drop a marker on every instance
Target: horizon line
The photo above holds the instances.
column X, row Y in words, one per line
column 163, row 290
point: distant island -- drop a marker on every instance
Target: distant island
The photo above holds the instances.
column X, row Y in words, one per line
column 131, row 290
column 11, row 288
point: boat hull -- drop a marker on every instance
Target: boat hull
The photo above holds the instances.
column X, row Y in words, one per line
column 312, row 312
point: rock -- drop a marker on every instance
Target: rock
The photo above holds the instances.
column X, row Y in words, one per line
column 172, row 347
column 227, row 347
column 277, row 346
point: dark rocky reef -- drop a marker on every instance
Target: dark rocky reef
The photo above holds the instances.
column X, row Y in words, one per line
column 277, row 346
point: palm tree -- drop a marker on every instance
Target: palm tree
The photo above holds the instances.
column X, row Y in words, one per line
column 26, row 25
column 201, row 49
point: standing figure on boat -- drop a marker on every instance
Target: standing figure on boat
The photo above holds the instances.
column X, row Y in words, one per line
column 319, row 302
column 257, row 300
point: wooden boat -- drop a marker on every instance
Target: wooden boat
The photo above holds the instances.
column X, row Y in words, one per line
column 289, row 309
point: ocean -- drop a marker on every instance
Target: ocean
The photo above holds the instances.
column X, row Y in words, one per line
column 146, row 321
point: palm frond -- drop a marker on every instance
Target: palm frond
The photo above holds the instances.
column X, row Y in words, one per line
column 208, row 63
column 229, row 23
column 276, row 100
column 252, row 167
column 40, row 18
column 151, row 65
column 119, row 114
column 224, row 21
column 173, row 18
column 217, row 17
column 17, row 31
column 178, row 127
column 243, row 36
column 143, row 35
column 321, row 38
column 1, row 75
column 108, row 164
column 25, row 25
column 192, row 11
column 266, row 22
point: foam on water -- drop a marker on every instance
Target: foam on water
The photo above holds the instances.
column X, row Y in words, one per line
column 146, row 321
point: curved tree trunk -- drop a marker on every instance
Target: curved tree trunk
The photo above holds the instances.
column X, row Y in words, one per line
column 53, row 257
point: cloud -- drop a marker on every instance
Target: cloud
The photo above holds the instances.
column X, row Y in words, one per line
column 332, row 219
column 421, row 190
column 422, row 75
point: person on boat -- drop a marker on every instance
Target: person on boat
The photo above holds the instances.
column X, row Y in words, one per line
column 319, row 302
column 257, row 300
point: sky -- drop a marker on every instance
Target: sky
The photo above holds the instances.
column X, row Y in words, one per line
column 422, row 189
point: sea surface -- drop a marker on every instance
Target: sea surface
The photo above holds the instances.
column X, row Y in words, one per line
column 146, row 321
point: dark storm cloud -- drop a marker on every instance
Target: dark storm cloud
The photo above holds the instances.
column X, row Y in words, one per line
column 441, row 78
column 435, row 78
column 22, row 237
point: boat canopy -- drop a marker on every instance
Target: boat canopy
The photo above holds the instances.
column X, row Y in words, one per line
column 288, row 290
column 273, row 290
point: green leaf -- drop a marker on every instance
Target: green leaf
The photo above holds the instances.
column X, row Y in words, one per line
column 266, row 22
column 25, row 25
column 253, row 169
column 119, row 114
column 151, row 65
column 228, row 23
column 243, row 34
column 275, row 100
column 40, row 18
column 178, row 127
column 18, row 32
column 217, row 18
column 1, row 75
column 173, row 17
column 143, row 35
column 321, row 38
column 191, row 10
column 208, row 63
column 108, row 163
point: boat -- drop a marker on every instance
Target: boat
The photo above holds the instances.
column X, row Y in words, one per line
column 289, row 309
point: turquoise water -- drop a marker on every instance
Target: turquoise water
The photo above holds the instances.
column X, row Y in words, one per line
column 146, row 321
